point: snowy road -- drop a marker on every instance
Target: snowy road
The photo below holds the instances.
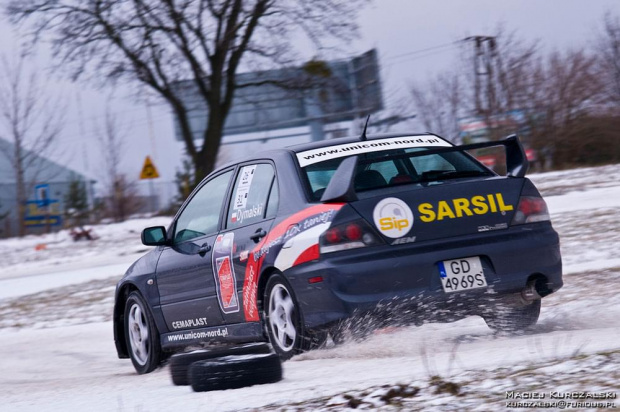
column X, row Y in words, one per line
column 60, row 355
column 74, row 368
column 16, row 285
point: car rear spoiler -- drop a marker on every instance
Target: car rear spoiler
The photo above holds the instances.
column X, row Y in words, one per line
column 341, row 187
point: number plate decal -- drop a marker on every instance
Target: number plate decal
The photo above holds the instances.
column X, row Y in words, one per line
column 461, row 274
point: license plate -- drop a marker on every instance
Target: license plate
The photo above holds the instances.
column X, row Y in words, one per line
column 461, row 274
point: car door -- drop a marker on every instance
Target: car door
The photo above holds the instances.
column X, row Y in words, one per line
column 185, row 278
column 250, row 214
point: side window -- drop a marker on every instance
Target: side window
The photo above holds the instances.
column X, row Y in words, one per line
column 250, row 195
column 201, row 215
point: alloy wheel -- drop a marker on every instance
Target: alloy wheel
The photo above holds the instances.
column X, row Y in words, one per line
column 138, row 334
column 281, row 315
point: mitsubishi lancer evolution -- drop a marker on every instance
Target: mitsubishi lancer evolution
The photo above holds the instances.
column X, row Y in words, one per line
column 291, row 245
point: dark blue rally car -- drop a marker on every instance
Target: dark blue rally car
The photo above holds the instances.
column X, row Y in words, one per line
column 294, row 244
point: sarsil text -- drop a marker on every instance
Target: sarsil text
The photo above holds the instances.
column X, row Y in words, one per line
column 459, row 207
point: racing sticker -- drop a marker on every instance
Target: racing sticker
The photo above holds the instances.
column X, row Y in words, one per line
column 460, row 207
column 243, row 188
column 217, row 332
column 393, row 217
column 300, row 235
column 224, row 273
column 301, row 241
column 238, row 216
column 189, row 323
column 313, row 156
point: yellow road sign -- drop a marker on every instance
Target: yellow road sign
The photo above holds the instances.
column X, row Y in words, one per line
column 149, row 171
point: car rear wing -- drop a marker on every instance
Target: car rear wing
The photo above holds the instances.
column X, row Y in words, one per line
column 341, row 187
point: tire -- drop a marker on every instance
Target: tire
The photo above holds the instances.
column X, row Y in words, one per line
column 232, row 372
column 141, row 335
column 283, row 320
column 513, row 318
column 180, row 363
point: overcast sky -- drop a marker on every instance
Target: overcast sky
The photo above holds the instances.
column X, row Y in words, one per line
column 399, row 29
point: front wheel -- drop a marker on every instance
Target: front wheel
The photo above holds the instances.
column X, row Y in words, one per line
column 141, row 335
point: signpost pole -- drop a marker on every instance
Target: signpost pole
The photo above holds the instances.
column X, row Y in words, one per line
column 152, row 197
column 149, row 172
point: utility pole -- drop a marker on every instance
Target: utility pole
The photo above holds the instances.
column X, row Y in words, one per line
column 485, row 53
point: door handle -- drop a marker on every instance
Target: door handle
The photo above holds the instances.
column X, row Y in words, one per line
column 204, row 249
column 258, row 234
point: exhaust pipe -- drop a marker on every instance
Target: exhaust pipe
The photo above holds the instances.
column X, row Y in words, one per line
column 530, row 292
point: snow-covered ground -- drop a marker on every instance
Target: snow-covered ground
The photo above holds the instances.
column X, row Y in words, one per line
column 58, row 350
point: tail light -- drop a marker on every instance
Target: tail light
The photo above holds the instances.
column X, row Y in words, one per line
column 530, row 210
column 350, row 235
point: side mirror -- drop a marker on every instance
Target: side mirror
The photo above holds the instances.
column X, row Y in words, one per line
column 154, row 236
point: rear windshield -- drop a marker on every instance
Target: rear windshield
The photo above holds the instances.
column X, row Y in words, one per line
column 396, row 167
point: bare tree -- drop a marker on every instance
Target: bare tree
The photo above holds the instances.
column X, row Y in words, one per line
column 487, row 91
column 556, row 98
column 119, row 190
column 516, row 61
column 565, row 93
column 31, row 121
column 608, row 47
column 438, row 105
column 160, row 42
column 503, row 82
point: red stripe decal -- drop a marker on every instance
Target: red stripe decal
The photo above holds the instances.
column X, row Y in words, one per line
column 257, row 255
column 307, row 255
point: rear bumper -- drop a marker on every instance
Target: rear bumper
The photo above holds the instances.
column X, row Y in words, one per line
column 402, row 281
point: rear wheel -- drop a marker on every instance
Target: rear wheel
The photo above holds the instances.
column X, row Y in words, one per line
column 283, row 320
column 141, row 335
column 514, row 317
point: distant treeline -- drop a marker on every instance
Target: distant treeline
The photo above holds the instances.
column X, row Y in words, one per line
column 565, row 104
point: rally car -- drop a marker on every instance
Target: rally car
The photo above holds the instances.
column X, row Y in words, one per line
column 294, row 244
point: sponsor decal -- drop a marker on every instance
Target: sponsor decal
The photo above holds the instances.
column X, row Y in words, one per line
column 309, row 157
column 238, row 216
column 243, row 256
column 228, row 297
column 265, row 249
column 393, row 217
column 291, row 232
column 302, row 247
column 486, row 228
column 250, row 293
column 460, row 207
column 224, row 273
column 241, row 198
column 247, row 174
column 284, row 231
column 294, row 230
column 215, row 333
column 243, row 188
column 404, row 240
column 315, row 220
column 189, row 323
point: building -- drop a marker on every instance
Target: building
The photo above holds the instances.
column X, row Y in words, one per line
column 47, row 185
column 312, row 96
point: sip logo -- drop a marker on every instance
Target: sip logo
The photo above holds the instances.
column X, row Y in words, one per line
column 393, row 217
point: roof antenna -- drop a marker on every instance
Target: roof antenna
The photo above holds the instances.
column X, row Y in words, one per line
column 363, row 136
